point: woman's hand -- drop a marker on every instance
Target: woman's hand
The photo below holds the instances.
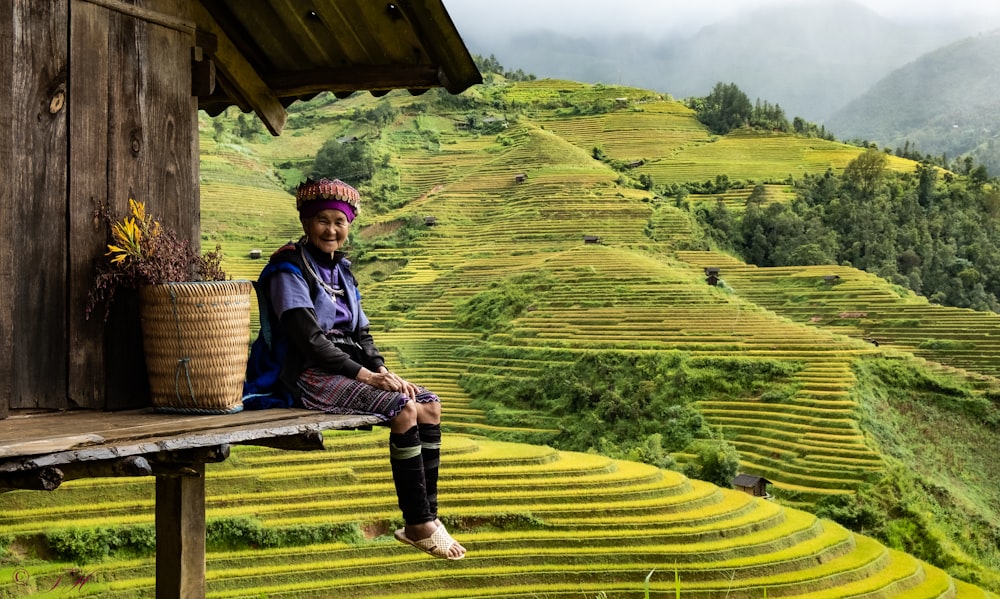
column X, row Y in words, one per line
column 388, row 381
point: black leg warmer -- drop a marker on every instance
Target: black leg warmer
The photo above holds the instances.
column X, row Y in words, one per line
column 430, row 451
column 408, row 476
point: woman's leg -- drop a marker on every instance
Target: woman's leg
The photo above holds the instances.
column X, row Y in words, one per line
column 418, row 423
column 429, row 428
column 408, row 466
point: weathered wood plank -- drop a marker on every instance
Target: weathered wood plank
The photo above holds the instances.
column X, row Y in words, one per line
column 145, row 432
column 7, row 149
column 88, row 188
column 52, row 444
column 180, row 536
column 171, row 125
column 38, row 174
column 152, row 157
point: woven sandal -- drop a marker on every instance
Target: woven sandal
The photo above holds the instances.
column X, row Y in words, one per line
column 437, row 545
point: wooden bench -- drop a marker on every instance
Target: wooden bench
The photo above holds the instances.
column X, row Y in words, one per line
column 41, row 450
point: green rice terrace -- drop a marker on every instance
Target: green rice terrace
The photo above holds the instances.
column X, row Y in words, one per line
column 503, row 255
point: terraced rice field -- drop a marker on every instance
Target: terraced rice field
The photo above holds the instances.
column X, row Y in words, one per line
column 736, row 199
column 863, row 306
column 597, row 526
column 603, row 524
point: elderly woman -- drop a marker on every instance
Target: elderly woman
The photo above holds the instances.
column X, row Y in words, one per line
column 314, row 350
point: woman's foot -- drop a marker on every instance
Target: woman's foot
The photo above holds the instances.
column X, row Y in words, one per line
column 432, row 538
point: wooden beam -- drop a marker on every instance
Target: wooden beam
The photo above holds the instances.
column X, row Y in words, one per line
column 239, row 77
column 349, row 79
column 44, row 479
column 159, row 18
column 180, row 536
column 50, row 478
column 310, row 441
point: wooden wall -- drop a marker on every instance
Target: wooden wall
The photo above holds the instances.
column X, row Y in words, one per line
column 100, row 110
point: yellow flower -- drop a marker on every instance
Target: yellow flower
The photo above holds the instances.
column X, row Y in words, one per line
column 127, row 236
column 138, row 209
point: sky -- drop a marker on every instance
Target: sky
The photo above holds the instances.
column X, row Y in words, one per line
column 653, row 17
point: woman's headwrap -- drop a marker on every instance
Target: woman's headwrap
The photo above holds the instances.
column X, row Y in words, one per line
column 325, row 194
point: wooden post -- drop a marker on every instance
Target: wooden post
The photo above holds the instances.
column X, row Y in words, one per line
column 180, row 535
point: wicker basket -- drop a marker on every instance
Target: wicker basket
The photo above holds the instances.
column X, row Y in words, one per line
column 196, row 338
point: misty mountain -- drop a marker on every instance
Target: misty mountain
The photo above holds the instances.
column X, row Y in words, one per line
column 947, row 101
column 810, row 59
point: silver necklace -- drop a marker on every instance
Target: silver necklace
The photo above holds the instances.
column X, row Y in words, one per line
column 331, row 290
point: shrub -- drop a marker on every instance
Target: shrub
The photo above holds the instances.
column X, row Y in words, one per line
column 716, row 461
column 84, row 545
column 627, row 405
column 493, row 309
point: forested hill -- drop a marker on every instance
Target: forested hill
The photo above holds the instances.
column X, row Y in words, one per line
column 539, row 250
column 945, row 102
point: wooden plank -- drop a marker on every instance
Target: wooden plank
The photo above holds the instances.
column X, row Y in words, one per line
column 381, row 77
column 151, row 433
column 171, row 126
column 7, row 156
column 153, row 158
column 38, row 174
column 180, row 536
column 49, row 445
column 88, row 187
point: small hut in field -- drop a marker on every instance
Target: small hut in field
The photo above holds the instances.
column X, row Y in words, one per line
column 751, row 484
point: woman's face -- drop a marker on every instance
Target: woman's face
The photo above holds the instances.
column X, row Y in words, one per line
column 327, row 230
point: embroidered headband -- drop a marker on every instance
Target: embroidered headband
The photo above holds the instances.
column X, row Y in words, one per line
column 325, row 194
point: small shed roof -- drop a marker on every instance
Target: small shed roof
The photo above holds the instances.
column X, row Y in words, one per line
column 269, row 53
column 748, row 480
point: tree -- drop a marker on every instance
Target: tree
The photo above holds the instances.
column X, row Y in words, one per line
column 716, row 461
column 725, row 108
column 866, row 171
column 351, row 162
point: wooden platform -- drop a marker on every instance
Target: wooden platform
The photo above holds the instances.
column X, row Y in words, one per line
column 30, row 441
column 42, row 450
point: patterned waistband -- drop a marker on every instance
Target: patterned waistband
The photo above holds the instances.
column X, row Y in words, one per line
column 338, row 338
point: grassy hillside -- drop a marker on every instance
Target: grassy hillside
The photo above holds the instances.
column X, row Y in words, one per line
column 641, row 289
column 502, row 294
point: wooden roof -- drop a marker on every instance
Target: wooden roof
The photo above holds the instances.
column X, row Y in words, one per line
column 748, row 480
column 268, row 53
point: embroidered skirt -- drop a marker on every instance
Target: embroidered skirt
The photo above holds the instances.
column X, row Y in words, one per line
column 338, row 394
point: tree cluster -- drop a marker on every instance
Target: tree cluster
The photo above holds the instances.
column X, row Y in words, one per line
column 353, row 162
column 929, row 231
column 491, row 65
column 727, row 107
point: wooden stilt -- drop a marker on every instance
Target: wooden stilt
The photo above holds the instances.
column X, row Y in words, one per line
column 180, row 535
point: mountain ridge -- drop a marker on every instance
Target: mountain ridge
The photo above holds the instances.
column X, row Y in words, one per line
column 771, row 53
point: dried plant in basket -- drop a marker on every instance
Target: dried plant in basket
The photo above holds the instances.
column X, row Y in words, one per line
column 143, row 252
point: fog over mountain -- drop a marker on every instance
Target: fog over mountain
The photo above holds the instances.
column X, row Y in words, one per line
column 811, row 57
column 946, row 102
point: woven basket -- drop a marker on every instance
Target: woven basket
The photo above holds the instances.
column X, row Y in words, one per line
column 196, row 338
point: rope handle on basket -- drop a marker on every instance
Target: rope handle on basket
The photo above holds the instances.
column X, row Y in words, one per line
column 182, row 363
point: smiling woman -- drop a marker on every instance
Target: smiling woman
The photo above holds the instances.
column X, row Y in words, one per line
column 315, row 351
